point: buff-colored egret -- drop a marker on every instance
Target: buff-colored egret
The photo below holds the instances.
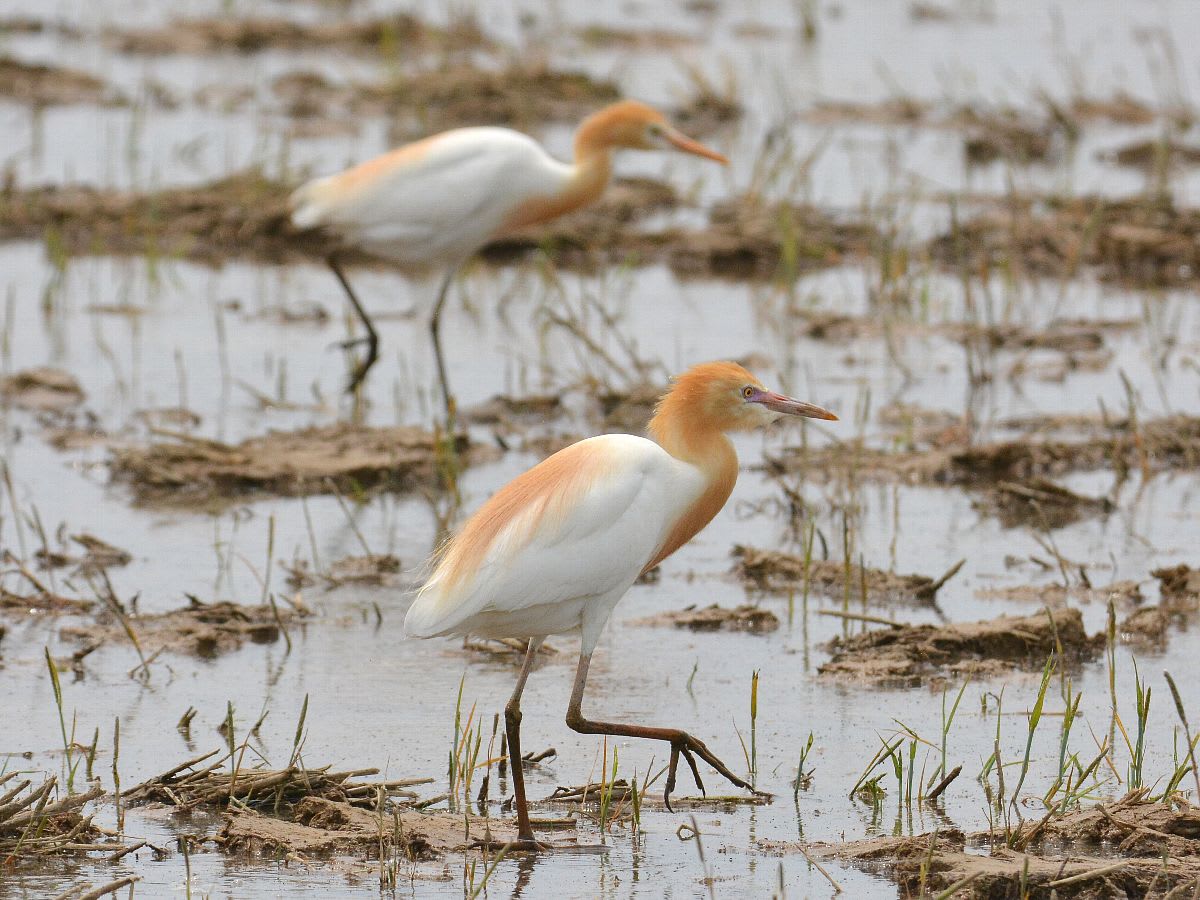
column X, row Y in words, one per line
column 555, row 549
column 433, row 203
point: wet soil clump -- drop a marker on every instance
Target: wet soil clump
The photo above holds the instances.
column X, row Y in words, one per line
column 206, row 630
column 191, row 471
column 749, row 618
column 910, row 654
column 1139, row 242
column 41, row 85
column 777, row 572
column 1136, row 848
column 41, row 390
column 386, row 36
column 34, row 825
column 1155, row 445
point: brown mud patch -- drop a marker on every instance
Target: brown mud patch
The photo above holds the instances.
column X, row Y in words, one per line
column 376, row 569
column 1140, row 242
column 1039, row 503
column 1170, row 443
column 34, row 825
column 399, row 33
column 191, row 471
column 41, row 390
column 1179, row 584
column 206, row 630
column 1150, row 156
column 522, row 94
column 41, row 85
column 749, row 618
column 910, row 654
column 245, row 216
column 93, row 556
column 1130, row 848
column 777, row 572
column 749, row 238
column 302, row 810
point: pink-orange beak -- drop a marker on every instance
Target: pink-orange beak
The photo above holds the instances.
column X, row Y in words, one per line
column 681, row 141
column 789, row 407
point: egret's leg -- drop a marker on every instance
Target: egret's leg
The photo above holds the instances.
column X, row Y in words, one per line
column 434, row 332
column 512, row 729
column 681, row 742
column 371, row 340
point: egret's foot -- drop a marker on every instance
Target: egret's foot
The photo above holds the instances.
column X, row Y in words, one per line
column 520, row 845
column 685, row 745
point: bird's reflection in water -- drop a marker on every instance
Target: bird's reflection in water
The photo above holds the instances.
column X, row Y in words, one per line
column 525, row 865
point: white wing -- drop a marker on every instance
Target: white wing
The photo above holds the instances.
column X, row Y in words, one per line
column 436, row 200
column 544, row 566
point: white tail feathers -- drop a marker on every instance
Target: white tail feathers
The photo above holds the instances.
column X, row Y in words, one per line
column 308, row 203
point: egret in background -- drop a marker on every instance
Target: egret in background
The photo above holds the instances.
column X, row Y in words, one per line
column 434, row 202
column 555, row 549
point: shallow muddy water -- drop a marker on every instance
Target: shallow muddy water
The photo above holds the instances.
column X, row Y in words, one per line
column 246, row 348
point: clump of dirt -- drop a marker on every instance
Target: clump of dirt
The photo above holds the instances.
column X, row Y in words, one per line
column 243, row 215
column 212, row 780
column 631, row 409
column 1155, row 155
column 754, row 619
column 1172, row 442
column 398, row 33
column 42, row 600
column 1179, row 584
column 33, row 825
column 42, row 85
column 378, row 569
column 321, row 826
column 309, row 810
column 1123, row 593
column 1008, row 135
column 1039, row 503
column 508, row 411
column 1120, row 108
column 97, row 555
column 910, row 654
column 894, row 111
column 41, row 390
column 1141, row 242
column 750, row 238
column 206, row 630
column 523, row 93
column 190, row 470
column 606, row 37
column 1141, row 849
column 778, row 572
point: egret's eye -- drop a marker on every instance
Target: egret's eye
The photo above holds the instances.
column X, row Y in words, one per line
column 656, row 130
column 748, row 391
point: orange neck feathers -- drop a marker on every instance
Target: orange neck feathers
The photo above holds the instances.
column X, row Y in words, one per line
column 689, row 425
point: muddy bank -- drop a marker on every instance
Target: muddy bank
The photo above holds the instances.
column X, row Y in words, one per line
column 1140, row 242
column 41, row 390
column 1170, row 443
column 197, row 472
column 41, row 85
column 1130, row 848
column 778, row 572
column 206, row 630
column 753, row 619
column 245, row 216
column 394, row 35
column 911, row 654
column 36, row 822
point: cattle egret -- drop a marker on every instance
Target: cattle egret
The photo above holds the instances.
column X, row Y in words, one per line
column 433, row 203
column 555, row 549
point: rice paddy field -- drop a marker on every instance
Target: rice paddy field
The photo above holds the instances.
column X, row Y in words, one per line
column 948, row 637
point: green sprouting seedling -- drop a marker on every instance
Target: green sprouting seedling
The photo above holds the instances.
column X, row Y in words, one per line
column 804, row 776
column 754, row 729
column 1035, row 716
column 1138, row 755
column 68, row 741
